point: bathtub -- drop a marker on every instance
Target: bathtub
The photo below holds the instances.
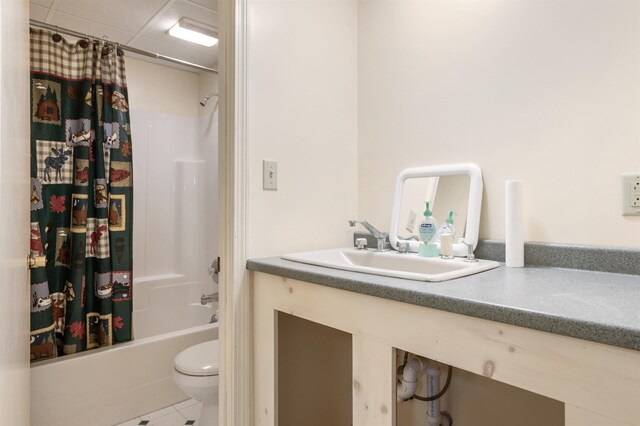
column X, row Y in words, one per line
column 110, row 385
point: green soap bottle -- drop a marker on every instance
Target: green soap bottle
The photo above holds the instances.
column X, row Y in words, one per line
column 427, row 229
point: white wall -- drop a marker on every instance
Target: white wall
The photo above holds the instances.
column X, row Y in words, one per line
column 302, row 94
column 14, row 213
column 162, row 89
column 543, row 91
column 175, row 161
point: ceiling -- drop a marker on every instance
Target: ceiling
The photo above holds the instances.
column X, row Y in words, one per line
column 142, row 24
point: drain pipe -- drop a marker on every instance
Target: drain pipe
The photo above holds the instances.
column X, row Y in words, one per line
column 433, row 387
column 407, row 387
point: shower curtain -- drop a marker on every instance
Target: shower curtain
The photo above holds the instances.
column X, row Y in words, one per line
column 81, row 196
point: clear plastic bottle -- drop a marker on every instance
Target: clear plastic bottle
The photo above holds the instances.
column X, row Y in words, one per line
column 447, row 227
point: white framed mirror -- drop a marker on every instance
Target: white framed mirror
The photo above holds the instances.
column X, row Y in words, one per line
column 456, row 187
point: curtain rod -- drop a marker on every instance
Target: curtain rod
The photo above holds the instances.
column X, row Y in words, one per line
column 122, row 46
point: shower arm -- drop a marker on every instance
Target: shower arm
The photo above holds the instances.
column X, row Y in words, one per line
column 204, row 100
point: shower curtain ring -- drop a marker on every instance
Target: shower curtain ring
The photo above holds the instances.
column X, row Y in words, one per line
column 107, row 46
column 84, row 43
column 56, row 37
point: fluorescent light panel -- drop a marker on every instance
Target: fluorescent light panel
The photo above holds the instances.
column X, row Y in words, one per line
column 195, row 32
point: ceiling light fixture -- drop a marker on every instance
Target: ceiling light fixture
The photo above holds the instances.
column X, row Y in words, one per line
column 195, row 32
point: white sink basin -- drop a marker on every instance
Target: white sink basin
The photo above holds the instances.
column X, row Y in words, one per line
column 392, row 264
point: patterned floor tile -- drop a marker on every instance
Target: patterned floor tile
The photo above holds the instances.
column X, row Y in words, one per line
column 179, row 406
column 188, row 415
column 192, row 412
column 132, row 422
column 173, row 419
column 160, row 413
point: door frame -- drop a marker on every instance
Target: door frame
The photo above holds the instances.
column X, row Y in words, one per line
column 14, row 212
column 235, row 296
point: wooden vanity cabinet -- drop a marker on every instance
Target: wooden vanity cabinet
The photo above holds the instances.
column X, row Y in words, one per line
column 598, row 384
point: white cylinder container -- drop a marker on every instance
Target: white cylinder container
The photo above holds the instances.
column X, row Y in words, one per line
column 514, row 224
column 446, row 245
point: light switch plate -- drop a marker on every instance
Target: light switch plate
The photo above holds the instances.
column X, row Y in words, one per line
column 411, row 222
column 631, row 194
column 269, row 174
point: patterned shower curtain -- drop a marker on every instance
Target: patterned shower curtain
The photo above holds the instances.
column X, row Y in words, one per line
column 81, row 196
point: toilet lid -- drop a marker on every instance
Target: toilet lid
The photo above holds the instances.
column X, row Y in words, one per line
column 198, row 360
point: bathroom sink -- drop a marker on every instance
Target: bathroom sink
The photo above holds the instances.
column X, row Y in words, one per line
column 393, row 264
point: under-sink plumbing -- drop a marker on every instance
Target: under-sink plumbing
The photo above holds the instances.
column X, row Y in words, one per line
column 380, row 237
column 407, row 384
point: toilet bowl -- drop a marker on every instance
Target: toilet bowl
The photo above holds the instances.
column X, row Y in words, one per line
column 196, row 374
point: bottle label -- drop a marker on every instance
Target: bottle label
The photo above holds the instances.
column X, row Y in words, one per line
column 427, row 231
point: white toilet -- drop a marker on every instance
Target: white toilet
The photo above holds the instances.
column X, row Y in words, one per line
column 196, row 374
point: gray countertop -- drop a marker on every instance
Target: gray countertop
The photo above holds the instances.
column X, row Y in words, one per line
column 596, row 306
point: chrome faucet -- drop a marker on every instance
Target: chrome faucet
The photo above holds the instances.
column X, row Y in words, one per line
column 381, row 237
column 208, row 298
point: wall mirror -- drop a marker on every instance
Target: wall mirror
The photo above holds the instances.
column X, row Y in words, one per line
column 456, row 187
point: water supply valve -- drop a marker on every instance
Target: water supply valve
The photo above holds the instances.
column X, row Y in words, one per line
column 361, row 243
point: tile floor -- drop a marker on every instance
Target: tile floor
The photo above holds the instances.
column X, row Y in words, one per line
column 184, row 413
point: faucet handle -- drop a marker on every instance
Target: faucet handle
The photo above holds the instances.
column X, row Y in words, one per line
column 214, row 269
column 382, row 243
column 361, row 243
column 403, row 247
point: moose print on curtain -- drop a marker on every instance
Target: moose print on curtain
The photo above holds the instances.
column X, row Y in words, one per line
column 81, row 196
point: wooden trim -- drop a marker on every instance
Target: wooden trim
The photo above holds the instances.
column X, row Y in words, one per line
column 587, row 375
column 265, row 367
column 575, row 416
column 373, row 383
column 235, row 322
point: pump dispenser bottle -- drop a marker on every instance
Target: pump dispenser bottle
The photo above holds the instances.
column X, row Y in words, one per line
column 427, row 230
column 447, row 227
column 447, row 236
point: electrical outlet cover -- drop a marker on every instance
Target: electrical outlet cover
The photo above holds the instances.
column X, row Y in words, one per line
column 631, row 194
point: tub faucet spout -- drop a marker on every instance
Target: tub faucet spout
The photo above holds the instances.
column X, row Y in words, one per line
column 381, row 237
column 208, row 298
